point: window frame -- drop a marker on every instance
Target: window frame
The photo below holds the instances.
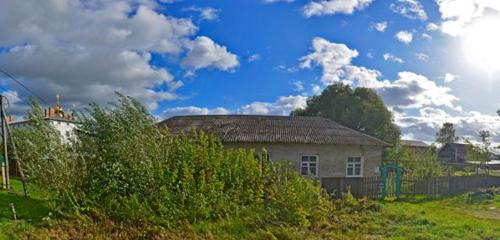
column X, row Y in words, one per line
column 309, row 166
column 362, row 163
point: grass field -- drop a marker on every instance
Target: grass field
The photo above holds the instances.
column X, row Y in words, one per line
column 468, row 216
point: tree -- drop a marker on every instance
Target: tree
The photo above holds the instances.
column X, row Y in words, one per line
column 361, row 109
column 446, row 134
column 480, row 153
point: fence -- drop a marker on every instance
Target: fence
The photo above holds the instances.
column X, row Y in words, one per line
column 370, row 186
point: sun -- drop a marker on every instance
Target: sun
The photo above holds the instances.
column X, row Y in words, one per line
column 482, row 44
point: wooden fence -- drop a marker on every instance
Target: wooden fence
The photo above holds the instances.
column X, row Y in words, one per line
column 370, row 186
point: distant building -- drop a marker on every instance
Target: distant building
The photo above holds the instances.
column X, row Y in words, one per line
column 456, row 154
column 62, row 122
column 453, row 153
column 415, row 145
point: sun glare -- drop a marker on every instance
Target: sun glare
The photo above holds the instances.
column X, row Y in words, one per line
column 482, row 44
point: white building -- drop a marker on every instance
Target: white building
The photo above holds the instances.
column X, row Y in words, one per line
column 62, row 122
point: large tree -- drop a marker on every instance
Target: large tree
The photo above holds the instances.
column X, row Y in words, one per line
column 361, row 109
column 446, row 134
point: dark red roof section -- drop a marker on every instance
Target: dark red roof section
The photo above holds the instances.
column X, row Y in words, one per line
column 271, row 129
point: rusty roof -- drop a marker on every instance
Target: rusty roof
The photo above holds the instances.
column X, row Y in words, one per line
column 271, row 129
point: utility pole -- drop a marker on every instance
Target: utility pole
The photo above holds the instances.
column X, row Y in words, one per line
column 5, row 164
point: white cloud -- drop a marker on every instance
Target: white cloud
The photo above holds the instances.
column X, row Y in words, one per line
column 87, row 50
column 381, row 26
column 448, row 77
column 253, row 58
column 411, row 9
column 432, row 27
column 427, row 123
column 457, row 14
column 391, row 57
column 205, row 53
column 426, row 36
column 331, row 7
column 316, row 89
column 410, row 90
column 298, row 86
column 422, row 56
column 404, row 37
column 283, row 106
column 191, row 110
column 206, row 13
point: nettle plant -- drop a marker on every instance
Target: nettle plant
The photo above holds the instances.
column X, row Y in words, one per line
column 124, row 166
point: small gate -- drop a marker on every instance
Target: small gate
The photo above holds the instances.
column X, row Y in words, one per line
column 390, row 180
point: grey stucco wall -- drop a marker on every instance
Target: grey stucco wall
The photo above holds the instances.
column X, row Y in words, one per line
column 332, row 159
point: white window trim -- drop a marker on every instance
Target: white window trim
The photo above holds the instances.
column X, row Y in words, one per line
column 361, row 170
column 317, row 164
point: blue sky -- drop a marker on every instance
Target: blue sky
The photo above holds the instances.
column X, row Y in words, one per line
column 427, row 59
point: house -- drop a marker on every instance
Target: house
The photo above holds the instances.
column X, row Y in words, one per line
column 62, row 122
column 314, row 146
column 415, row 145
column 453, row 154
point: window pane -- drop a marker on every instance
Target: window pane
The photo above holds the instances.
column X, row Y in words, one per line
column 358, row 159
column 349, row 160
column 303, row 170
column 312, row 158
column 357, row 171
column 305, row 159
column 313, row 170
column 349, row 171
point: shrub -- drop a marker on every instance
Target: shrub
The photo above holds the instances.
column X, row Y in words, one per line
column 125, row 167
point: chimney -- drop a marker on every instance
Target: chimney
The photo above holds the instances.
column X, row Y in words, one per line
column 45, row 112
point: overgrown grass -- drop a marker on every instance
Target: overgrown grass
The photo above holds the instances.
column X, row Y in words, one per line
column 468, row 216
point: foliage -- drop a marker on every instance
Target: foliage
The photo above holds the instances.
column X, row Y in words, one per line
column 446, row 134
column 479, row 152
column 47, row 159
column 125, row 167
column 360, row 109
column 416, row 163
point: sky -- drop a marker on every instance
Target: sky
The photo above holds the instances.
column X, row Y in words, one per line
column 430, row 61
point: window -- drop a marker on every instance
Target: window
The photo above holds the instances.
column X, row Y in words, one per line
column 354, row 167
column 309, row 165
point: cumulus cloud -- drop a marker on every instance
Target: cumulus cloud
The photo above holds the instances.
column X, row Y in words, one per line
column 404, row 37
column 205, row 53
column 448, row 77
column 206, row 13
column 380, row 26
column 411, row 9
column 86, row 50
column 410, row 90
column 331, row 7
column 457, row 14
column 428, row 121
column 391, row 57
column 282, row 106
column 298, row 86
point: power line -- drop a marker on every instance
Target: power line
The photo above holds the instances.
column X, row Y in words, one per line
column 22, row 85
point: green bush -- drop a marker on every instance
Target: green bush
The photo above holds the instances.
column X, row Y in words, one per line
column 125, row 167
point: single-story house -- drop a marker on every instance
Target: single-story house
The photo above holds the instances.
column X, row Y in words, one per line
column 314, row 146
column 415, row 145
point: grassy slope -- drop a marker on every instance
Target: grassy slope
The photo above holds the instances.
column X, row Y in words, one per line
column 30, row 211
column 447, row 218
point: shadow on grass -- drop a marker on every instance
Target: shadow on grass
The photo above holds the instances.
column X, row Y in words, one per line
column 27, row 209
